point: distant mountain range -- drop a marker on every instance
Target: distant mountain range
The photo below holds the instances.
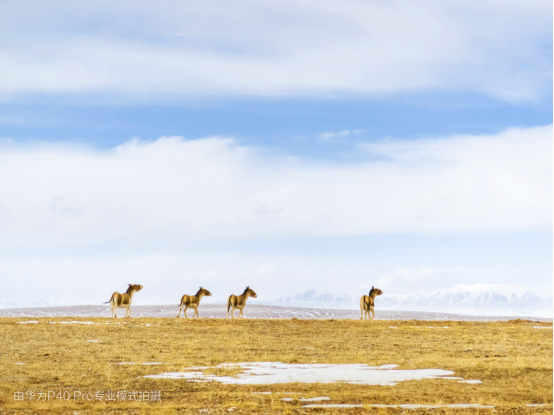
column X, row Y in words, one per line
column 477, row 299
column 37, row 303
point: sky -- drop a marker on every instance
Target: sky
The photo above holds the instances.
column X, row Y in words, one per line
column 283, row 145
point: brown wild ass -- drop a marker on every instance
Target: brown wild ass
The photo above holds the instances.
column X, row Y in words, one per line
column 193, row 301
column 239, row 301
column 123, row 300
column 367, row 303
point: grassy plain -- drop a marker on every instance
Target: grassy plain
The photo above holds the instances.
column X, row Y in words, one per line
column 512, row 359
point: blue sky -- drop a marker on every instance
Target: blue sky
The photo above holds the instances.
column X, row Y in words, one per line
column 289, row 125
column 285, row 146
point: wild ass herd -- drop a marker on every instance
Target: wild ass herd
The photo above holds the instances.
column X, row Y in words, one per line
column 367, row 302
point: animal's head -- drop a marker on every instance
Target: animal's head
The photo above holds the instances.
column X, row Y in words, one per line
column 134, row 287
column 204, row 292
column 250, row 292
column 377, row 291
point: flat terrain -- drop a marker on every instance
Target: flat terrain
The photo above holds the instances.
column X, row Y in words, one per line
column 253, row 311
column 512, row 359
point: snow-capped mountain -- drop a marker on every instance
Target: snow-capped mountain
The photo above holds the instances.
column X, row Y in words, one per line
column 314, row 299
column 477, row 299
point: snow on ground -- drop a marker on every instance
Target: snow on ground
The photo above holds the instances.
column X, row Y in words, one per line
column 402, row 406
column 264, row 373
column 250, row 311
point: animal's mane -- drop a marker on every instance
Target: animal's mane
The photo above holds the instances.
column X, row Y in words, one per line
column 129, row 289
column 245, row 290
column 199, row 291
column 371, row 291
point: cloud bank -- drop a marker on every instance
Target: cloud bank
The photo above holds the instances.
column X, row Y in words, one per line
column 215, row 188
column 140, row 50
column 81, row 222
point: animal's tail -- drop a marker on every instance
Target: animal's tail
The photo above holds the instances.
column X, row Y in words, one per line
column 107, row 302
column 229, row 304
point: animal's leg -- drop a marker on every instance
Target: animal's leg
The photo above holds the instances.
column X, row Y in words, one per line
column 196, row 312
column 186, row 308
column 240, row 314
column 362, row 314
column 371, row 310
column 129, row 308
column 233, row 313
column 180, row 309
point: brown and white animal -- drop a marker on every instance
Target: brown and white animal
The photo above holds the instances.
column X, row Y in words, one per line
column 123, row 300
column 193, row 301
column 367, row 303
column 239, row 301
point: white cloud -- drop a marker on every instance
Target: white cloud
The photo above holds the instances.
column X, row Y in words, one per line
column 141, row 50
column 409, row 280
column 214, row 188
column 331, row 136
column 72, row 215
column 166, row 276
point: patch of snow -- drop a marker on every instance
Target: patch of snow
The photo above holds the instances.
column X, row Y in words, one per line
column 28, row 322
column 403, row 406
column 258, row 373
column 334, row 405
column 316, row 399
column 470, row 381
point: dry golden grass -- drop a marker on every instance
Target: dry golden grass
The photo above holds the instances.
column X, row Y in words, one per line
column 513, row 360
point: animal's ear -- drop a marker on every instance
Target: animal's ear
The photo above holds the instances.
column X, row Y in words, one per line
column 372, row 287
column 130, row 285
